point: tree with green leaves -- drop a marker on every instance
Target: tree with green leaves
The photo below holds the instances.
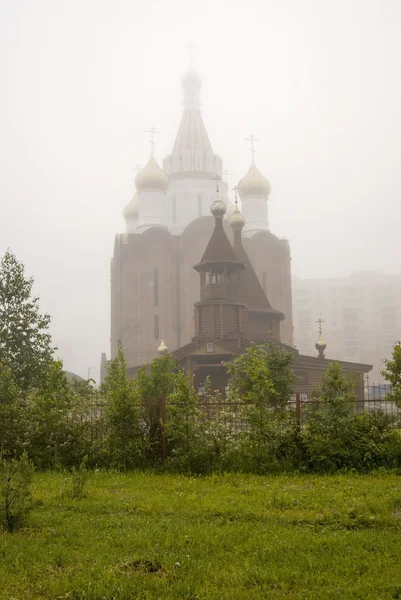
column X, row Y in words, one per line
column 25, row 342
column 151, row 386
column 11, row 414
column 261, row 377
column 184, row 429
column 123, row 416
column 392, row 374
column 51, row 440
column 329, row 432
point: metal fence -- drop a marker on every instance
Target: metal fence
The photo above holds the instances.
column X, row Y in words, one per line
column 234, row 415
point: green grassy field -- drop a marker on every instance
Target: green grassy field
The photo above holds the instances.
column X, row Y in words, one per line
column 163, row 537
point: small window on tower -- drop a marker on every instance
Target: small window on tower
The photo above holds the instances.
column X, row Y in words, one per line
column 199, row 205
column 156, row 335
column 156, row 287
column 174, row 209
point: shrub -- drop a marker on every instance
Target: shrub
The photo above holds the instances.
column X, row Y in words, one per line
column 15, row 494
column 79, row 478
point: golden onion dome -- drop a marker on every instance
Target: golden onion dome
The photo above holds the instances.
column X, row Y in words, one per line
column 218, row 207
column 131, row 210
column 152, row 177
column 320, row 344
column 237, row 220
column 162, row 349
column 253, row 184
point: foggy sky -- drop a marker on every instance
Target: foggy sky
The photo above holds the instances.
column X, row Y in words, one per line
column 318, row 82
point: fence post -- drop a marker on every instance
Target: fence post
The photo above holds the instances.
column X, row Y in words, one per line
column 164, row 422
column 298, row 408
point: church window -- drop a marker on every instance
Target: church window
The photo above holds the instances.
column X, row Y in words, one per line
column 156, row 332
column 174, row 209
column 156, row 287
column 199, row 205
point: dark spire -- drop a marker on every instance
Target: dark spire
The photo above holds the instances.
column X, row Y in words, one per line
column 219, row 249
column 251, row 291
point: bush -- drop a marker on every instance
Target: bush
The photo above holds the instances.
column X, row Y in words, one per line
column 15, row 494
column 79, row 478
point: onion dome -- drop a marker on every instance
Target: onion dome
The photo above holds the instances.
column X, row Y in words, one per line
column 253, row 184
column 152, row 177
column 131, row 210
column 218, row 208
column 321, row 346
column 162, row 349
column 237, row 220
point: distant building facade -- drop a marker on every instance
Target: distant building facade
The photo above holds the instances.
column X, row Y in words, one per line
column 361, row 314
column 168, row 225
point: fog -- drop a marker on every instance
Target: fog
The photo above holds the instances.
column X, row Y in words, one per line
column 318, row 82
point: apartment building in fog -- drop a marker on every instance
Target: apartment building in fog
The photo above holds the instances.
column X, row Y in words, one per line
column 361, row 314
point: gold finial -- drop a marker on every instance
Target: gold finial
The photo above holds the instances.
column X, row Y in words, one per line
column 152, row 132
column 162, row 349
column 252, row 139
column 320, row 344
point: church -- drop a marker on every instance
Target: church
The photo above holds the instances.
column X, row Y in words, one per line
column 194, row 270
column 168, row 225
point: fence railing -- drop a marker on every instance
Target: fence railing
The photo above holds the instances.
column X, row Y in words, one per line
column 233, row 415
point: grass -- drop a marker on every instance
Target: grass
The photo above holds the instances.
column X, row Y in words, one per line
column 231, row 537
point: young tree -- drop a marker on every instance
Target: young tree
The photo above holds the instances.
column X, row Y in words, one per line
column 123, row 415
column 25, row 343
column 50, row 438
column 151, row 387
column 261, row 377
column 185, row 440
column 392, row 374
column 329, row 432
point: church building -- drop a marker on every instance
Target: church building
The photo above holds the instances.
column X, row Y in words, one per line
column 168, row 226
column 208, row 284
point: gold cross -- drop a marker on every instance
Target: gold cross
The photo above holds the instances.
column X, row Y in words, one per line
column 152, row 132
column 320, row 321
column 235, row 196
column 217, row 178
column 252, row 139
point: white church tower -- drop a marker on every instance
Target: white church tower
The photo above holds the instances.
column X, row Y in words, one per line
column 254, row 190
column 192, row 167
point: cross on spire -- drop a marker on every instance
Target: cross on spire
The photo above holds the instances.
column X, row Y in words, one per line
column 235, row 196
column 191, row 47
column 252, row 139
column 152, row 132
column 320, row 321
column 217, row 178
column 226, row 174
